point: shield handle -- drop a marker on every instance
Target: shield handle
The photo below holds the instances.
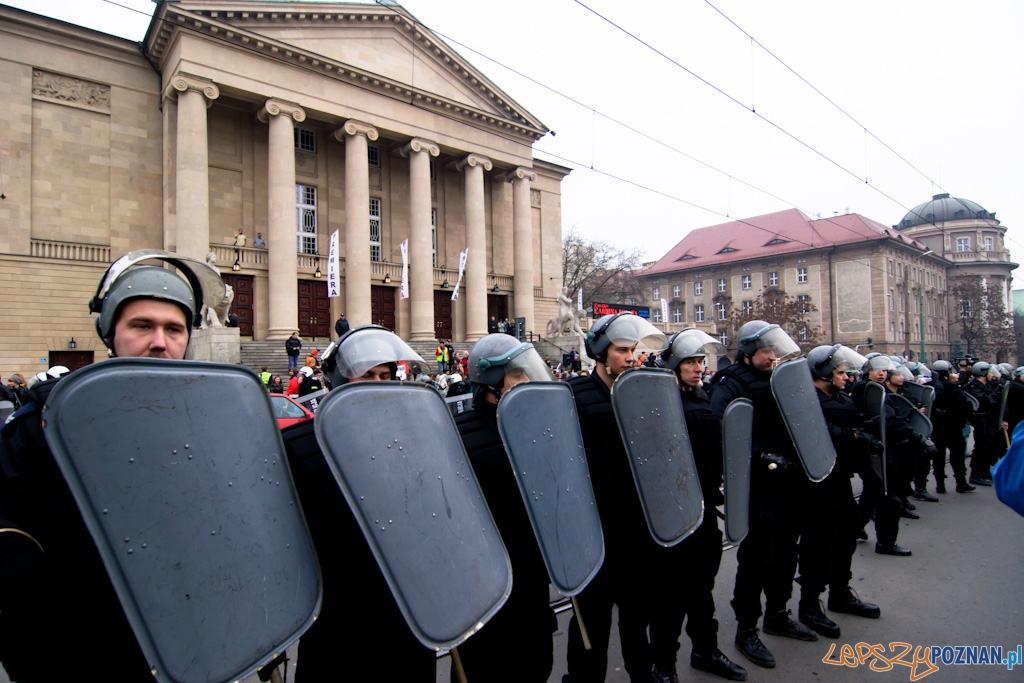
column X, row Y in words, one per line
column 460, row 671
column 579, row 621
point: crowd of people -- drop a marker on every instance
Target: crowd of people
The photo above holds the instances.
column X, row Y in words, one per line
column 800, row 530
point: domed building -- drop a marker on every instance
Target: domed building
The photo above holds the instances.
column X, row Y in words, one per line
column 971, row 238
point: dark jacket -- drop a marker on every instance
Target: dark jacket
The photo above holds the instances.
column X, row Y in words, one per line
column 292, row 346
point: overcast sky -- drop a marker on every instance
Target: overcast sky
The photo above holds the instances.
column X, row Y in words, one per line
column 938, row 81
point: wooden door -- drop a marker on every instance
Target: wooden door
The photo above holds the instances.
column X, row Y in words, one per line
column 443, row 315
column 382, row 306
column 314, row 310
column 244, row 302
column 72, row 360
column 497, row 306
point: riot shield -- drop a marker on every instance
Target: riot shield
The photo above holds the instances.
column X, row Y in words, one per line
column 736, row 425
column 874, row 410
column 922, row 393
column 975, row 406
column 1002, row 411
column 398, row 459
column 179, row 471
column 905, row 408
column 541, row 433
column 794, row 392
column 649, row 412
column 6, row 408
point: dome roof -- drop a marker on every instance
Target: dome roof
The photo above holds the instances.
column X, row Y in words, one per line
column 942, row 208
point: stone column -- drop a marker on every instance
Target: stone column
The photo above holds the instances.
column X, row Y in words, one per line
column 355, row 135
column 473, row 166
column 421, row 266
column 192, row 176
column 282, row 272
column 522, row 243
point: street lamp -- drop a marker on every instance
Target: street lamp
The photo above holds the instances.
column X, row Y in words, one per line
column 387, row 278
column 236, row 266
column 72, row 344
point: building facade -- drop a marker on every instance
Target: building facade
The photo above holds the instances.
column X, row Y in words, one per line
column 286, row 120
column 859, row 279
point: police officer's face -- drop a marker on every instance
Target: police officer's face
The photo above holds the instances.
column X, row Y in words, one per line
column 690, row 371
column 151, row 328
column 878, row 375
column 896, row 379
column 378, row 373
column 619, row 358
column 514, row 377
column 763, row 358
column 839, row 378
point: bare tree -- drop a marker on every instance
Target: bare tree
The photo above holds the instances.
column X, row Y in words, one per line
column 985, row 329
column 605, row 272
column 788, row 312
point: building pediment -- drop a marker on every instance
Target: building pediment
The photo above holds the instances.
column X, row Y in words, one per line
column 380, row 48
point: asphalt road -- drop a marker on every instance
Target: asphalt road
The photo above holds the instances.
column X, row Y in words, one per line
column 964, row 585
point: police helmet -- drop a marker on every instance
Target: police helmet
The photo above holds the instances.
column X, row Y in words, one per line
column 758, row 334
column 903, row 372
column 942, row 366
column 824, row 360
column 980, row 368
column 124, row 281
column 497, row 355
column 57, row 371
column 1019, row 372
column 623, row 327
column 689, row 343
column 1006, row 369
column 361, row 349
column 898, row 360
column 878, row 362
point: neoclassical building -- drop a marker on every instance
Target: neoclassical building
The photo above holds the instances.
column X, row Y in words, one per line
column 289, row 121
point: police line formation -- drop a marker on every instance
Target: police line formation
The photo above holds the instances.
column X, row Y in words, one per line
column 155, row 523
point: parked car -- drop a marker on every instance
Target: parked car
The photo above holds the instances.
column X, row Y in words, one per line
column 288, row 411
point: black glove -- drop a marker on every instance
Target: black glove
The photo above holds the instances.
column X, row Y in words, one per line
column 875, row 446
column 927, row 444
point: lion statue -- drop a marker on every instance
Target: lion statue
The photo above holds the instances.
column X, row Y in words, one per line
column 568, row 321
column 218, row 315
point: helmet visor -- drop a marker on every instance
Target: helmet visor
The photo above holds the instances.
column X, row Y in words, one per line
column 197, row 272
column 878, row 363
column 364, row 350
column 848, row 360
column 775, row 339
column 691, row 344
column 522, row 364
column 632, row 330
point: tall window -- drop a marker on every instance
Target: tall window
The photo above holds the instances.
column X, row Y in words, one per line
column 721, row 284
column 656, row 314
column 804, row 334
column 433, row 236
column 748, row 307
column 892, row 300
column 374, row 229
column 677, row 315
column 746, row 282
column 720, row 308
column 989, row 243
column 805, row 303
column 373, row 156
column 801, row 275
column 773, row 279
column 698, row 288
column 963, row 244
column 724, row 338
column 698, row 313
column 305, row 140
column 677, row 291
column 656, row 293
column 966, row 309
column 305, row 219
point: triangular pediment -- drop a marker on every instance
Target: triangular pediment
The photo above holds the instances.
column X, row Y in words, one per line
column 385, row 42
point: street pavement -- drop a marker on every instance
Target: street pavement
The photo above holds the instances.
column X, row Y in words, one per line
column 964, row 585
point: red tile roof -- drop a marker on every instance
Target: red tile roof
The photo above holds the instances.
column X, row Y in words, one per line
column 773, row 234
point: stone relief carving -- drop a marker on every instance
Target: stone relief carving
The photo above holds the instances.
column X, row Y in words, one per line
column 305, row 164
column 53, row 86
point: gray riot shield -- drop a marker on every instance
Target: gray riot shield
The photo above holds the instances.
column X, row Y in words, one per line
column 922, row 393
column 905, row 408
column 541, row 433
column 6, row 408
column 649, row 412
column 179, row 471
column 397, row 456
column 736, row 425
column 794, row 392
column 874, row 410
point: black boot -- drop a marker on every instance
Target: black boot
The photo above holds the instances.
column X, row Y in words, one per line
column 664, row 674
column 921, row 493
column 811, row 614
column 940, row 486
column 778, row 623
column 891, row 549
column 909, row 513
column 751, row 647
column 844, row 600
column 963, row 487
column 714, row 662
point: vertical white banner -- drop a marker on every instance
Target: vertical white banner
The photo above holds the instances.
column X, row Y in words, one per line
column 462, row 267
column 664, row 311
column 405, row 269
column 333, row 268
column 579, row 300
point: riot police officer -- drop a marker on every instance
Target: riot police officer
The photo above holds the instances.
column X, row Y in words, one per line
column 358, row 607
column 58, row 607
column 985, row 422
column 950, row 410
column 685, row 573
column 629, row 548
column 497, row 363
column 1015, row 400
column 767, row 558
column 829, row 540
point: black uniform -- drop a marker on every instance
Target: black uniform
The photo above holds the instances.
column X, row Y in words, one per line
column 950, row 412
column 985, row 423
column 767, row 558
column 685, row 573
column 358, row 611
column 526, row 618
column 1015, row 404
column 58, row 608
column 629, row 548
column 873, row 500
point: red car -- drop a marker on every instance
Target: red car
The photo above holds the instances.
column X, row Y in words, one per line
column 288, row 411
